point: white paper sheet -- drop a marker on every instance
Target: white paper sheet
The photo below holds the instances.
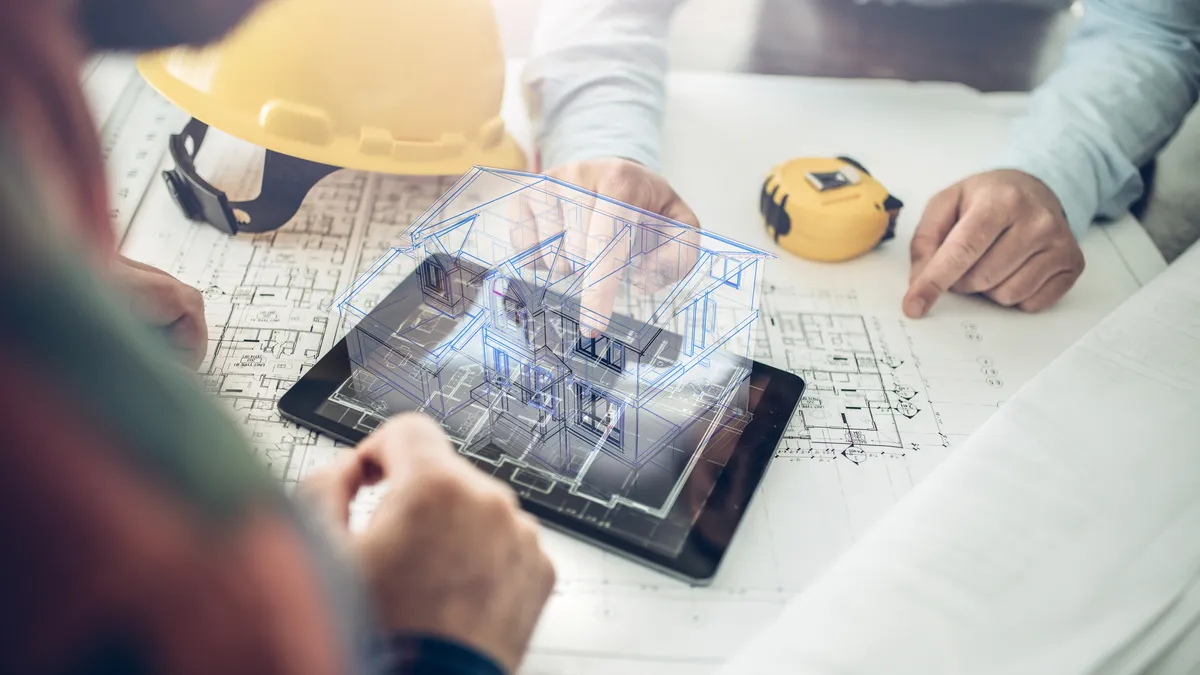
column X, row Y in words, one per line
column 1062, row 537
column 923, row 387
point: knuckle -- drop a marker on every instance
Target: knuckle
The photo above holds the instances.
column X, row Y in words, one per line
column 437, row 489
column 628, row 182
column 1042, row 301
column 624, row 169
column 620, row 176
column 193, row 300
column 1075, row 259
column 963, row 251
column 976, row 282
column 923, row 239
column 1043, row 225
column 1004, row 296
column 1007, row 195
column 1069, row 258
column 945, row 195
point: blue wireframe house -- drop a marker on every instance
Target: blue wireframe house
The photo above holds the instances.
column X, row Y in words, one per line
column 586, row 342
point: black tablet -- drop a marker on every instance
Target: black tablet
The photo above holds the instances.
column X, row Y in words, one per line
column 673, row 504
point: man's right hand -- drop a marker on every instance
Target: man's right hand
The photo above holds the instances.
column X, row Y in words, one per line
column 632, row 184
column 627, row 182
column 448, row 551
column 1001, row 234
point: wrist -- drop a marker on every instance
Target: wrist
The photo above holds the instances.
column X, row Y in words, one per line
column 1072, row 195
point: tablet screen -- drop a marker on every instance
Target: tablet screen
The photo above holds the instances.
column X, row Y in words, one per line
column 653, row 505
column 667, row 477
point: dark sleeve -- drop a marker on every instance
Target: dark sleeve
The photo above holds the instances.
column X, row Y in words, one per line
column 422, row 655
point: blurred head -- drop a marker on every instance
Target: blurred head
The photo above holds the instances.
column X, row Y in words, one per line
column 154, row 24
column 42, row 47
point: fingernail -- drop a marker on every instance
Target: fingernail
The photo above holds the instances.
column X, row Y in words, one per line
column 916, row 308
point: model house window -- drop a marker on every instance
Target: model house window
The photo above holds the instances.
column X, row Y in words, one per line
column 514, row 314
column 436, row 280
column 500, row 364
column 542, row 388
column 722, row 268
column 596, row 413
column 651, row 238
column 513, row 317
column 609, row 353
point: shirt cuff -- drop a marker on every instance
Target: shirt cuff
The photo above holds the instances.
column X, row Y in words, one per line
column 599, row 131
column 427, row 655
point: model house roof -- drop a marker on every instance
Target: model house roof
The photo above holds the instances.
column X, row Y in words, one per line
column 567, row 247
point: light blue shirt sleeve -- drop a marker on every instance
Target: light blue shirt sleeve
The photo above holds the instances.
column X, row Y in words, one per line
column 596, row 83
column 596, row 88
column 1128, row 79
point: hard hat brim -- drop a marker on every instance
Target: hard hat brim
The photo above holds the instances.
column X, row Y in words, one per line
column 431, row 159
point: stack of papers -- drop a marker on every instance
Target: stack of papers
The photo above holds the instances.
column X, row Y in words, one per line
column 1063, row 537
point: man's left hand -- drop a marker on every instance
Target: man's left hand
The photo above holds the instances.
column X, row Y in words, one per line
column 167, row 303
column 1000, row 234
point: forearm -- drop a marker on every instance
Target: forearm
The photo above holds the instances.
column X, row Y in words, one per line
column 596, row 82
column 1128, row 79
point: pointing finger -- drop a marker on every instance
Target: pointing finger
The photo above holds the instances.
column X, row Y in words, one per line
column 676, row 260
column 969, row 239
column 524, row 231
column 607, row 251
column 608, row 248
column 936, row 222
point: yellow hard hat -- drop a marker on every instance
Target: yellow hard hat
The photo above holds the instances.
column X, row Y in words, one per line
column 392, row 86
column 827, row 209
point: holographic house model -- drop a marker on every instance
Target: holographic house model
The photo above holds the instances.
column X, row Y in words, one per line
column 589, row 345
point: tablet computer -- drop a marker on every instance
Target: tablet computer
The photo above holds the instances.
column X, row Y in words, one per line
column 665, row 483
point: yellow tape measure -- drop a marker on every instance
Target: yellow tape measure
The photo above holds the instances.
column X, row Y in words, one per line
column 827, row 209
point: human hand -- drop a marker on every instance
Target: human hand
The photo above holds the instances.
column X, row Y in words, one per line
column 1001, row 234
column 448, row 551
column 591, row 237
column 167, row 303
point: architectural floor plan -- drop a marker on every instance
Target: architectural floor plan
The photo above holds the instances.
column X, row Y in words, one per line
column 883, row 405
column 887, row 400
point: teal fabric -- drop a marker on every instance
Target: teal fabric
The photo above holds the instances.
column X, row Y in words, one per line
column 58, row 314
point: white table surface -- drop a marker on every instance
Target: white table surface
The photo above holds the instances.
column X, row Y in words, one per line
column 723, row 134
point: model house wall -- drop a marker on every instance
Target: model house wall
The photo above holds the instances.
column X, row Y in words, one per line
column 506, row 274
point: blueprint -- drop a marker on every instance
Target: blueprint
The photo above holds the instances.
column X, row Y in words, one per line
column 887, row 399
